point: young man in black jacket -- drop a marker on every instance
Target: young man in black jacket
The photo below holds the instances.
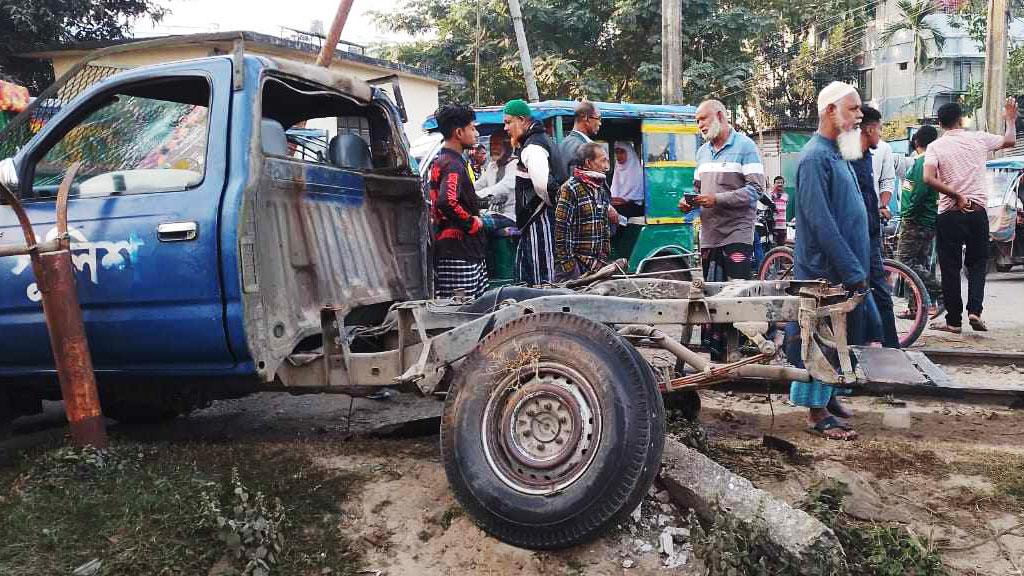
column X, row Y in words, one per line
column 459, row 241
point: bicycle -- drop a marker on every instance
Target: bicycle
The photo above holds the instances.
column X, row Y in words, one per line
column 909, row 297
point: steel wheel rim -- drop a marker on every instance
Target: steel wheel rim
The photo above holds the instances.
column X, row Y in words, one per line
column 541, row 428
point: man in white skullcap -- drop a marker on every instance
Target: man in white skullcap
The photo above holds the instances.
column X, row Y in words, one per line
column 832, row 241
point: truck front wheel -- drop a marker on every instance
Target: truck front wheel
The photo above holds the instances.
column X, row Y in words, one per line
column 553, row 430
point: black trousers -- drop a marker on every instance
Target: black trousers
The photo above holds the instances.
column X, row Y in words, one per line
column 882, row 293
column 962, row 240
column 729, row 262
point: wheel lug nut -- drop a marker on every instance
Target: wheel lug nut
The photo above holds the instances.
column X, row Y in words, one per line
column 540, row 447
column 547, row 406
column 527, row 433
column 531, row 413
column 563, row 420
column 559, row 440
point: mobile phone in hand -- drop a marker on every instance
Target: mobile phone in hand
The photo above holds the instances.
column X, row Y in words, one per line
column 691, row 199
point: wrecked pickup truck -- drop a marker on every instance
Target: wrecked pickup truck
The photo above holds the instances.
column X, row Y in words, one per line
column 217, row 256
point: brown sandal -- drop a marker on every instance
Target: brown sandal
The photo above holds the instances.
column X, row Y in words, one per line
column 943, row 327
column 977, row 324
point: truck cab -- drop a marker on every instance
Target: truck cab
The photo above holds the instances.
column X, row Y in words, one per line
column 208, row 229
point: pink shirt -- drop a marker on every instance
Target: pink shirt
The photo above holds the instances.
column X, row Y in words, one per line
column 959, row 157
column 781, row 199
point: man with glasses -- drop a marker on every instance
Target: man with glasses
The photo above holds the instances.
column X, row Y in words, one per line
column 585, row 126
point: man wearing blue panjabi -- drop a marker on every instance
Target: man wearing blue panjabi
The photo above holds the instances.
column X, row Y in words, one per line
column 832, row 239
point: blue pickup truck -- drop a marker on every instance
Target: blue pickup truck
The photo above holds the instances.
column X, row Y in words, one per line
column 199, row 228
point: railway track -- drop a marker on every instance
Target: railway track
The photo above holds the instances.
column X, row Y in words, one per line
column 962, row 357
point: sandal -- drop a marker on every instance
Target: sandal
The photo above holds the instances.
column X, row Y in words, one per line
column 936, row 309
column 977, row 324
column 836, row 408
column 829, row 423
column 941, row 326
column 907, row 315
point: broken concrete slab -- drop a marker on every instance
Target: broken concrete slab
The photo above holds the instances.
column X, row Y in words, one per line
column 697, row 482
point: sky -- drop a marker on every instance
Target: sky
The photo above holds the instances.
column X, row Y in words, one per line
column 266, row 16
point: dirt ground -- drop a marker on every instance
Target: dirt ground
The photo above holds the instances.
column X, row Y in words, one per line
column 953, row 473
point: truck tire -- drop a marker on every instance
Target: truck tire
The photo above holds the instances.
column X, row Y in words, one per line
column 552, row 431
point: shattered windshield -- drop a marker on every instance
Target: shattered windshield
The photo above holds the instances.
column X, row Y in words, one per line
column 132, row 144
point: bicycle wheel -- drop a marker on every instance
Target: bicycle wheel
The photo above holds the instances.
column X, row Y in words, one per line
column 910, row 301
column 777, row 264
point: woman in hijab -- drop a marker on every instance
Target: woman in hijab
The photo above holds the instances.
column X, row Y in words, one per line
column 627, row 182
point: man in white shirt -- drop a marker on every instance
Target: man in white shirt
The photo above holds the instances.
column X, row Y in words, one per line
column 539, row 174
column 883, row 166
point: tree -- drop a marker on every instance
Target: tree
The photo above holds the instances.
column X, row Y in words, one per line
column 29, row 25
column 914, row 20
column 602, row 50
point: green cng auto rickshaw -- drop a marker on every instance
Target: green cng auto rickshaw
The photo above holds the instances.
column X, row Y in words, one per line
column 666, row 140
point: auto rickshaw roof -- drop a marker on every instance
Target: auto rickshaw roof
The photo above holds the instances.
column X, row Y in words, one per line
column 1007, row 163
column 493, row 115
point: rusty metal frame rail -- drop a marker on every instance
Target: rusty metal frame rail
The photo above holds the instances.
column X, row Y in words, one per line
column 55, row 276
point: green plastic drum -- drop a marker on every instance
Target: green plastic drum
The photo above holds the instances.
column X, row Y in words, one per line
column 501, row 260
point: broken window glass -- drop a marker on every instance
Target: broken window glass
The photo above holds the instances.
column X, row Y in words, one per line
column 133, row 142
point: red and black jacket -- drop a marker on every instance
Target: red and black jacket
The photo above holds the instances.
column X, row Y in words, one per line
column 458, row 229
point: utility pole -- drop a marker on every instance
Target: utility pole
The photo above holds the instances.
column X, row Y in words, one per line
column 671, row 51
column 995, row 65
column 327, row 50
column 524, row 50
column 476, row 59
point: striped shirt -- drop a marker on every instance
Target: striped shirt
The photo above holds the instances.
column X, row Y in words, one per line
column 735, row 175
column 959, row 157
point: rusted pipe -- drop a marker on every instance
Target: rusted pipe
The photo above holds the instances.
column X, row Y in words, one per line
column 677, row 349
column 19, row 212
column 55, row 277
column 334, row 35
column 770, row 372
column 56, row 281
column 48, row 246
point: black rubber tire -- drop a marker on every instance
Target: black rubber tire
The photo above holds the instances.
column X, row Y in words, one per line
column 774, row 253
column 924, row 302
column 673, row 268
column 628, row 451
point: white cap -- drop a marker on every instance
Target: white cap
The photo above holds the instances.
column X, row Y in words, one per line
column 833, row 93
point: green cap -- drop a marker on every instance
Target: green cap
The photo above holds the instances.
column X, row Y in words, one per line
column 518, row 108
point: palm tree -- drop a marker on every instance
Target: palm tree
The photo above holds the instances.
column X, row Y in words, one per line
column 914, row 19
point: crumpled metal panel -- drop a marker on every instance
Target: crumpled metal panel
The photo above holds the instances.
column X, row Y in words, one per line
column 323, row 241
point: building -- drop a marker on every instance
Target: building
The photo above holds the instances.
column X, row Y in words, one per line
column 890, row 79
column 419, row 87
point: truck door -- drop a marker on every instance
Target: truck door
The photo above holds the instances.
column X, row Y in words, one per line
column 143, row 221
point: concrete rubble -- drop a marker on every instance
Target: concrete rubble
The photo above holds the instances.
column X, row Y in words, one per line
column 697, row 482
column 653, row 533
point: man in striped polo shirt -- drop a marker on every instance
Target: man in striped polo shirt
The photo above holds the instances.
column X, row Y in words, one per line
column 728, row 181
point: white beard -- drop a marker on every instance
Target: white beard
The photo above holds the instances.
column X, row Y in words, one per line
column 713, row 131
column 849, row 145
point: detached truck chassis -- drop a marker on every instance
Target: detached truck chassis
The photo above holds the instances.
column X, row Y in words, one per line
column 217, row 254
